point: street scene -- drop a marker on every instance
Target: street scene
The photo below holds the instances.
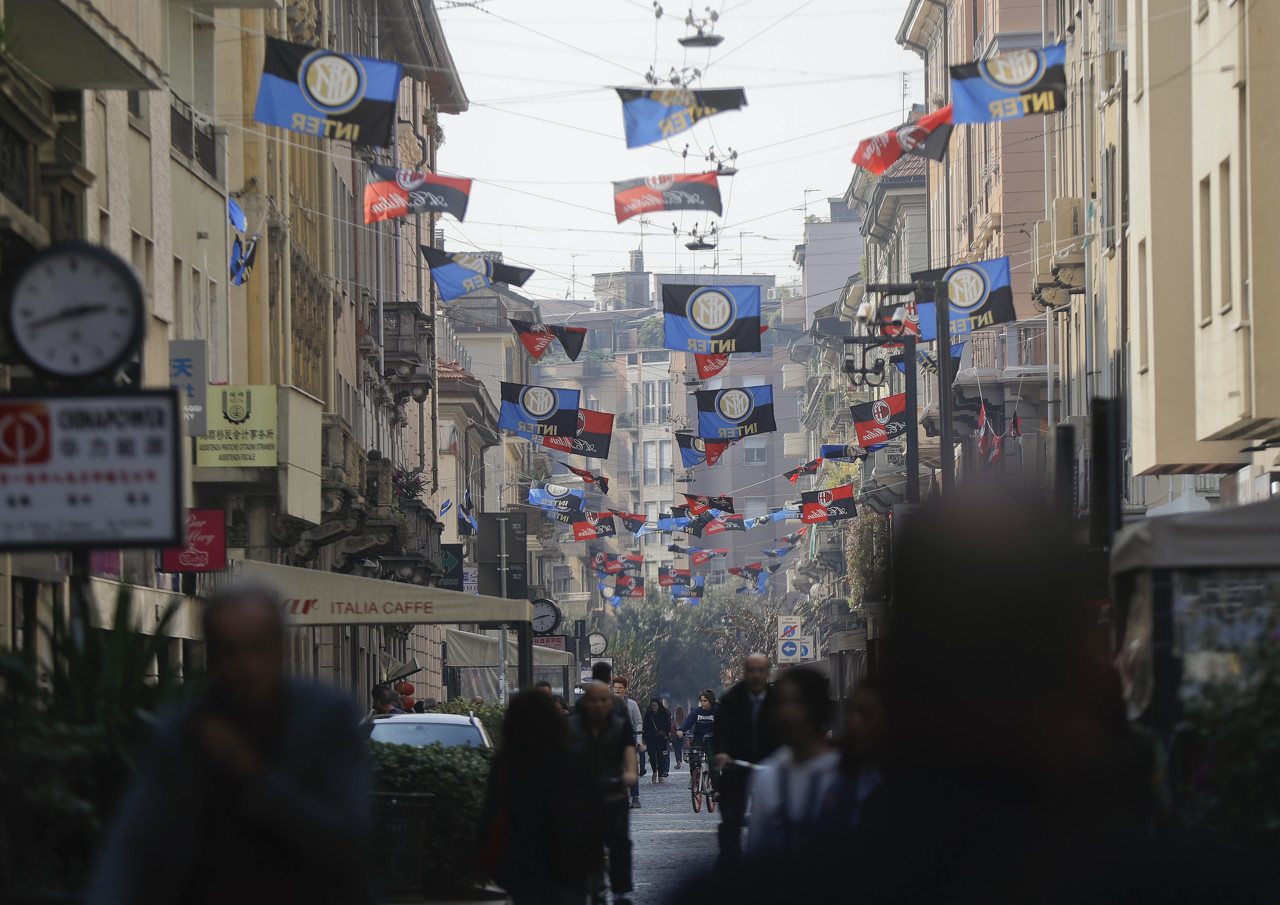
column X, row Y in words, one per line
column 621, row 453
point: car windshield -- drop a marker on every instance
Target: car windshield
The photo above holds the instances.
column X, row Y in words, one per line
column 411, row 732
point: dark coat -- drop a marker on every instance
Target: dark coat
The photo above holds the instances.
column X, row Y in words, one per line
column 734, row 734
column 657, row 729
column 298, row 832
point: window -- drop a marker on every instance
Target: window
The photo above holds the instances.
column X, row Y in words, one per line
column 1206, row 253
column 715, row 383
column 755, row 380
column 591, row 398
column 656, row 402
column 664, row 461
column 1144, row 316
column 650, row 462
column 757, row 450
column 756, row 506
column 1224, row 233
column 651, row 514
column 1139, row 47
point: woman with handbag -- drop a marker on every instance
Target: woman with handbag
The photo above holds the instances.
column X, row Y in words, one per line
column 657, row 736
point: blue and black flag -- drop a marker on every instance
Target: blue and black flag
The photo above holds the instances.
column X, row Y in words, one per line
column 981, row 296
column 535, row 412
column 929, row 362
column 459, row 274
column 711, row 320
column 1010, row 85
column 697, row 451
column 654, row 114
column 735, row 413
column 557, row 497
column 333, row 95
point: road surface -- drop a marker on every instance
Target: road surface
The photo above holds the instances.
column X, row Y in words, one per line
column 670, row 842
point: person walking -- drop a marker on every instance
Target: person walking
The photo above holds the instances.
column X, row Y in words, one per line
column 743, row 733
column 700, row 726
column 606, row 744
column 657, row 735
column 862, row 756
column 535, row 826
column 632, row 713
column 256, row 792
column 677, row 721
column 790, row 790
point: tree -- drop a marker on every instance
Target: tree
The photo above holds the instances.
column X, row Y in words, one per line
column 654, row 642
column 651, row 333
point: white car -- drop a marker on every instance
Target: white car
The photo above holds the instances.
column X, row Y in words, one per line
column 422, row 729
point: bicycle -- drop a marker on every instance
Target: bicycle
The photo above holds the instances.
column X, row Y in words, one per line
column 700, row 785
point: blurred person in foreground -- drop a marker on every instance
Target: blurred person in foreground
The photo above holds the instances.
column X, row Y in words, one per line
column 535, row 827
column 862, row 757
column 995, row 742
column 256, row 794
column 606, row 747
column 742, row 733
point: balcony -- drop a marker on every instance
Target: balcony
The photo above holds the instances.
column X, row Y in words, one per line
column 193, row 137
column 77, row 46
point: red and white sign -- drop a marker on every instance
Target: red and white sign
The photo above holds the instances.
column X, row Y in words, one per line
column 555, row 642
column 206, row 549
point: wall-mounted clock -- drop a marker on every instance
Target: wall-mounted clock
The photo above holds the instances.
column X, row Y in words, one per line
column 77, row 311
column 546, row 616
column 598, row 644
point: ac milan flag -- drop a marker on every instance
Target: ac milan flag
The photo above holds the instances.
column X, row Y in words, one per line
column 601, row 482
column 538, row 337
column 675, row 192
column 880, row 421
column 630, row 586
column 591, row 437
column 717, row 525
column 630, row 521
column 695, row 450
column 926, row 137
column 827, row 505
column 795, row 536
column 700, row 504
column 805, row 469
column 592, row 525
column 700, row 557
column 392, row 193
column 667, row 576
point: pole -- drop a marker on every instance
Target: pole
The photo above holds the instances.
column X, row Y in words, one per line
column 502, row 632
column 946, row 444
column 913, row 438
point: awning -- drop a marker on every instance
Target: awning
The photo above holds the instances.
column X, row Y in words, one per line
column 470, row 649
column 1232, row 537
column 313, row 597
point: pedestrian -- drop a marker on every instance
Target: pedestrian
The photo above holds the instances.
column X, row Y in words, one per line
column 564, row 708
column 789, row 791
column 607, row 747
column 862, row 756
column 535, row 826
column 383, row 704
column 700, row 726
column 545, row 687
column 429, row 705
column 632, row 713
column 657, row 736
column 743, row 733
column 256, row 792
column 676, row 722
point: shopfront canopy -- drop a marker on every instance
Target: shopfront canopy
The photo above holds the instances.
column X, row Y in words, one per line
column 313, row 597
column 1233, row 537
column 470, row 649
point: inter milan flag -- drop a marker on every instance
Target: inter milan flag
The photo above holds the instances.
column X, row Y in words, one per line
column 630, row 586
column 537, row 412
column 333, row 95
column 690, row 582
column 736, row 413
column 654, row 114
column 601, row 482
column 456, row 275
column 805, row 469
column 392, row 193
column 467, row 515
column 827, row 505
column 700, row 504
column 980, row 297
column 880, row 421
column 590, row 439
column 928, row 361
column 630, row 521
column 557, row 497
column 681, row 511
column 592, row 525
column 926, row 137
column 710, row 365
column 678, row 192
column 711, row 319
column 696, row 450
column 838, row 453
column 242, row 258
column 1010, row 85
column 667, row 576
column 537, row 337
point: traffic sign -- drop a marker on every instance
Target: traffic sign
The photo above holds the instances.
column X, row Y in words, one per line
column 788, row 627
column 807, row 649
column 788, row 651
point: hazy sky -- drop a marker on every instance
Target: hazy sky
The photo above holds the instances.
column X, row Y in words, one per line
column 543, row 138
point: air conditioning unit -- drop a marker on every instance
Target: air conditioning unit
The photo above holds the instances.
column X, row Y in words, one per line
column 1042, row 253
column 793, row 377
column 795, row 446
column 1068, row 232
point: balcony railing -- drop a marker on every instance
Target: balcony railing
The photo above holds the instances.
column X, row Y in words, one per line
column 192, row 136
column 1010, row 346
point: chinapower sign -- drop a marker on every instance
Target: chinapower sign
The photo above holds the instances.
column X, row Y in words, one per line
column 880, row 421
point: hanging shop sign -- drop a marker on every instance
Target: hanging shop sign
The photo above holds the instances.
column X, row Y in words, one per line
column 242, row 428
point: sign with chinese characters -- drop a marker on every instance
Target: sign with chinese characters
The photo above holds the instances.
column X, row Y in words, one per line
column 206, row 549
column 242, row 428
column 90, row 470
column 555, row 642
column 189, row 375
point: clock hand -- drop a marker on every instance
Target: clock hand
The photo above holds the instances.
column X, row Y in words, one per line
column 67, row 314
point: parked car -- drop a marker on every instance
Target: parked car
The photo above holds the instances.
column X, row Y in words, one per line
column 422, row 729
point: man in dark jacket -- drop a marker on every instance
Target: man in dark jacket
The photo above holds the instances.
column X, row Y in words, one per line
column 742, row 733
column 257, row 793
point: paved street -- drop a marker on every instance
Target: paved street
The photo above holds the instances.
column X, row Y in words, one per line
column 671, row 842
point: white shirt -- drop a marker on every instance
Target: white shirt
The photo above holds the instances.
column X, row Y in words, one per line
column 787, row 796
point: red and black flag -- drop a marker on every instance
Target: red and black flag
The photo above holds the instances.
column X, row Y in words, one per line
column 696, row 451
column 630, row 586
column 392, row 193
column 592, row 525
column 751, row 569
column 608, row 563
column 590, row 439
column 717, row 525
column 675, row 192
column 827, row 505
column 667, row 576
column 601, row 482
column 1015, row 426
column 699, row 504
column 700, row 557
column 805, row 469
column 926, row 137
column 794, row 537
column 630, row 521
column 537, row 337
column 880, row 421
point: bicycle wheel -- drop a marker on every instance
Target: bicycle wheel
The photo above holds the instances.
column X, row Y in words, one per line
column 696, row 793
column 711, row 798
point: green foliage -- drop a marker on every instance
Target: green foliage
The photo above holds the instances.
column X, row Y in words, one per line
column 489, row 715
column 456, row 778
column 651, row 333
column 657, row 645
column 868, row 554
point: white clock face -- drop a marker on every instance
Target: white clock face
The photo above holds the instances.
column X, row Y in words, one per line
column 599, row 644
column 545, row 617
column 76, row 311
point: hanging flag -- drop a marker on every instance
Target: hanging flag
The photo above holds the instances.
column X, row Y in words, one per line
column 1010, row 85
column 537, row 337
column 235, row 215
column 742, row 571
column 711, row 319
column 827, row 505
column 701, row 557
column 392, row 193
column 778, row 552
column 693, row 587
column 591, row 437
column 984, row 432
column 444, row 507
column 1015, row 426
column 610, row 595
column 466, row 512
column 653, row 114
column 980, row 297
column 691, row 601
column 996, row 451
column 718, row 525
column 794, row 536
column 699, row 504
column 805, row 469
column 630, row 586
column 928, row 362
column 679, row 192
column 557, row 497
column 880, row 421
column 592, row 525
column 695, row 450
column 603, row 562
column 333, row 95
column 926, row 137
column 667, row 576
column 710, row 365
column 630, row 521
column 242, row 259
column 838, row 453
column 535, row 412
column 456, row 275
column 601, row 482
column 736, row 413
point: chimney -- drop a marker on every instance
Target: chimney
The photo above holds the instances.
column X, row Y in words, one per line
column 637, row 261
